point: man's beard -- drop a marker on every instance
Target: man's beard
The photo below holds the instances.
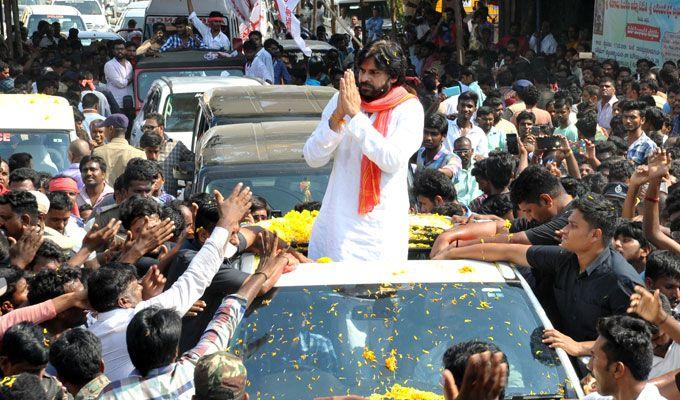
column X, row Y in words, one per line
column 369, row 93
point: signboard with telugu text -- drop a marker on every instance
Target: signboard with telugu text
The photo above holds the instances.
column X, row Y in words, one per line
column 628, row 30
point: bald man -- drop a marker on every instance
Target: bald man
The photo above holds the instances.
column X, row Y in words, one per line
column 76, row 151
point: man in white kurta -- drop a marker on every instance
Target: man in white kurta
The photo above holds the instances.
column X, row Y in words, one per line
column 340, row 231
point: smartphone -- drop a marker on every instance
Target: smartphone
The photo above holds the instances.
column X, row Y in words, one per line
column 548, row 142
column 511, row 141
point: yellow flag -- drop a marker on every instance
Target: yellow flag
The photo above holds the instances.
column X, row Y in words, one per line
column 440, row 6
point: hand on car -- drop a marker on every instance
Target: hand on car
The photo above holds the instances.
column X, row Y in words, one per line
column 558, row 340
column 486, row 374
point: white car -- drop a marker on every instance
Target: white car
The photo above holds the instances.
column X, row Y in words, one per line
column 360, row 328
column 68, row 17
column 175, row 99
column 136, row 11
column 92, row 12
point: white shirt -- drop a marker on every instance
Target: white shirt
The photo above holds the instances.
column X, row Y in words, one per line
column 548, row 44
column 257, row 69
column 83, row 198
column 605, row 113
column 670, row 362
column 451, row 105
column 339, row 231
column 89, row 117
column 104, row 107
column 219, row 42
column 118, row 79
column 649, row 392
column 267, row 61
column 111, row 326
column 480, row 143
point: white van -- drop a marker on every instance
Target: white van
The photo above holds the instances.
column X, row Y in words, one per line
column 37, row 124
column 67, row 16
column 93, row 14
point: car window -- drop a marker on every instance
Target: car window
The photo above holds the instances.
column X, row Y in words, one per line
column 306, row 342
column 146, row 78
column 179, row 112
column 48, row 149
column 85, row 7
column 67, row 22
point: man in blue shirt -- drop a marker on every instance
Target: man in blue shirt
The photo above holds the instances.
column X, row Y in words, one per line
column 6, row 81
column 433, row 155
column 374, row 26
column 281, row 75
column 183, row 39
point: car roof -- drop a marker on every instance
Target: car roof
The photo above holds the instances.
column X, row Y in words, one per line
column 268, row 99
column 35, row 112
column 133, row 12
column 276, row 141
column 188, row 58
column 315, row 45
column 50, row 9
column 95, row 35
column 199, row 84
column 415, row 271
column 138, row 5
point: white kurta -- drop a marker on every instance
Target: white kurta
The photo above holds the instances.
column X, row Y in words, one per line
column 339, row 231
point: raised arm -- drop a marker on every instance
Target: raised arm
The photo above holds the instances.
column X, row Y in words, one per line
column 639, row 178
column 658, row 168
column 469, row 231
column 323, row 142
column 513, row 253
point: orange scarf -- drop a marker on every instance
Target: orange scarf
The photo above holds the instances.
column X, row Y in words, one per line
column 369, row 191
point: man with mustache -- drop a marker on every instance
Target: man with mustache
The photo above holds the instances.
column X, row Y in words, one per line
column 370, row 130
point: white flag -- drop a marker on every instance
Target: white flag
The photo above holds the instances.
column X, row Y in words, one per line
column 287, row 16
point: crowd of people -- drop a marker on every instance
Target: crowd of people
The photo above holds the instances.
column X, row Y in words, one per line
column 112, row 287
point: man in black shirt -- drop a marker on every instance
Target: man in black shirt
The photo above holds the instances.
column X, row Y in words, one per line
column 539, row 195
column 590, row 279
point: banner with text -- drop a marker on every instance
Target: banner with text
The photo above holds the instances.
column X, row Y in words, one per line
column 627, row 30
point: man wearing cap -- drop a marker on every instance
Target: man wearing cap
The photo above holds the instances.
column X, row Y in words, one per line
column 213, row 37
column 117, row 152
column 220, row 375
column 182, row 39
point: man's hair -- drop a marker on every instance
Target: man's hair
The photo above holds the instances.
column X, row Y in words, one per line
column 254, row 33
column 90, row 100
column 59, row 201
column 25, row 387
column 629, row 341
column 160, row 119
column 260, row 203
column 21, row 202
column 574, row 187
column 50, row 251
column 468, row 96
column 173, row 211
column 249, row 45
column 492, row 102
column 595, row 182
column 25, row 342
column 639, row 106
column 438, row 122
column 139, row 169
column 94, row 159
column 388, row 56
column 24, row 174
column 499, row 205
column 77, row 355
column 500, row 167
column 106, row 284
column 12, row 276
column 484, row 110
column 152, row 338
column 431, row 183
column 587, row 124
column 651, row 83
column 49, row 283
column 137, row 207
column 149, row 139
column 662, row 263
column 655, row 117
column 532, row 183
column 207, row 216
column 19, row 160
column 620, row 171
column 598, row 213
column 525, row 115
column 182, row 20
column 456, row 357
column 561, row 102
column 529, row 95
column 633, row 230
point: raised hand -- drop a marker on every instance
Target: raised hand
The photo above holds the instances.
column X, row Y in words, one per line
column 149, row 239
column 485, row 376
column 98, row 239
column 558, row 340
column 152, row 283
column 640, row 176
column 647, row 305
column 349, row 94
column 659, row 164
column 233, row 208
column 272, row 262
column 22, row 251
column 197, row 308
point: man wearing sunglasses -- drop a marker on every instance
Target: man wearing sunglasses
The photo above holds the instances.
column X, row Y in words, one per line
column 171, row 153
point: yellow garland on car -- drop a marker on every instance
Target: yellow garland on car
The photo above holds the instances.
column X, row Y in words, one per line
column 398, row 392
column 296, row 227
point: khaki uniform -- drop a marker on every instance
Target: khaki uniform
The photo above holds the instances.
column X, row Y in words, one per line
column 92, row 389
column 117, row 154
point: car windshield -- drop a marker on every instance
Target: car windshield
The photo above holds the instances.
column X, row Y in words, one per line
column 48, row 149
column 355, row 8
column 67, row 22
column 179, row 112
column 146, row 78
column 85, row 7
column 283, row 185
column 317, row 341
